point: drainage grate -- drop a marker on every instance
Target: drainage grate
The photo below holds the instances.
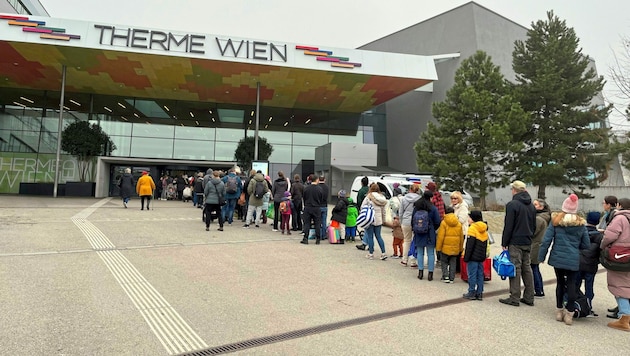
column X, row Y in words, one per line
column 242, row 345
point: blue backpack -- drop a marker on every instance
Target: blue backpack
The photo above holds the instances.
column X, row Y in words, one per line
column 420, row 222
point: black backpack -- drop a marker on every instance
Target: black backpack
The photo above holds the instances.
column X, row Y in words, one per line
column 583, row 306
column 259, row 189
column 231, row 185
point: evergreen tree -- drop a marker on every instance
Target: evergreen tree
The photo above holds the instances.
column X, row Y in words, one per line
column 566, row 142
column 476, row 123
column 244, row 154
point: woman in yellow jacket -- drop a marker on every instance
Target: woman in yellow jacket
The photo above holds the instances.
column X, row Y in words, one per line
column 145, row 188
column 450, row 242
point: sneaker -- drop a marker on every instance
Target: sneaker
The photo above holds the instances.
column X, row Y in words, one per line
column 404, row 263
column 257, row 225
column 125, row 204
column 413, row 265
column 383, row 257
column 479, row 296
column 470, row 296
column 282, row 232
column 246, row 226
column 531, row 304
column 446, row 280
column 451, row 281
column 360, row 247
column 304, row 241
column 370, row 256
column 539, row 295
column 207, row 228
column 274, row 230
column 220, row 229
column 394, row 256
column 509, row 301
column 288, row 232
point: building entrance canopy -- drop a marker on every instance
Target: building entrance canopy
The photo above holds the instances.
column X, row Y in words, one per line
column 137, row 72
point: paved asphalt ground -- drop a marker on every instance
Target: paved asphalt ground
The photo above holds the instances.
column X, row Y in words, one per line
column 84, row 276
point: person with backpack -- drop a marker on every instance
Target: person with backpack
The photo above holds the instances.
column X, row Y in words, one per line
column 313, row 197
column 378, row 202
column 360, row 197
column 213, row 193
column 340, row 213
column 285, row 208
column 351, row 220
column 233, row 188
column 256, row 189
column 425, row 220
column 297, row 189
column 568, row 235
column 405, row 212
column 280, row 186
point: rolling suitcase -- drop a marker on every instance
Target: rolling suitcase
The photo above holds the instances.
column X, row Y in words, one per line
column 487, row 269
column 334, row 236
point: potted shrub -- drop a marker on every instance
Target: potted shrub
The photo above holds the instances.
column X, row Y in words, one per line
column 85, row 142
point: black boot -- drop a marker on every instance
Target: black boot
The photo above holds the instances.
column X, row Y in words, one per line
column 304, row 241
column 430, row 276
column 317, row 241
column 360, row 247
column 420, row 274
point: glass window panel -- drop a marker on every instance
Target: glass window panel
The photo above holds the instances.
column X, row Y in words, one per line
column 116, row 127
column 343, row 138
column 302, row 152
column 274, row 137
column 233, row 135
column 311, row 139
column 48, row 142
column 224, row 151
column 123, row 146
column 151, row 147
column 281, row 154
column 153, row 130
column 195, row 133
column 192, row 149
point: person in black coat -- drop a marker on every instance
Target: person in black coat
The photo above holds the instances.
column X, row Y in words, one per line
column 340, row 212
column 589, row 258
column 127, row 186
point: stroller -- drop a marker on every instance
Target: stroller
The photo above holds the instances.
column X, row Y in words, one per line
column 171, row 192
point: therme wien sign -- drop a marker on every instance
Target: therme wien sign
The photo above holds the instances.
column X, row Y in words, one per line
column 189, row 43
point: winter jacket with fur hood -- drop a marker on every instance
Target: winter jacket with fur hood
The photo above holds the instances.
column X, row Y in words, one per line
column 568, row 237
column 618, row 233
column 450, row 236
column 476, row 242
column 378, row 201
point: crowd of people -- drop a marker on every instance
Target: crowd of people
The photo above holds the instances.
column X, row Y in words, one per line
column 424, row 225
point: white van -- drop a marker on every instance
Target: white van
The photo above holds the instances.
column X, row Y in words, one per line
column 386, row 185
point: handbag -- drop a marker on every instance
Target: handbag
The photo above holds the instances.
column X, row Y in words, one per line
column 503, row 265
column 221, row 198
column 615, row 258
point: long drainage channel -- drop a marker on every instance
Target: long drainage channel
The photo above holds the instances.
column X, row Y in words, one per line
column 266, row 340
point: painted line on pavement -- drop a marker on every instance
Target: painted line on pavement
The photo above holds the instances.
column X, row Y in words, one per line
column 170, row 328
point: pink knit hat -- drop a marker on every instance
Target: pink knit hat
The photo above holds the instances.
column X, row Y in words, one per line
column 570, row 204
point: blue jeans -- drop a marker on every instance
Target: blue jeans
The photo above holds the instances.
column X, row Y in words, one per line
column 589, row 279
column 369, row 233
column 324, row 217
column 624, row 306
column 475, row 277
column 430, row 257
column 228, row 209
column 538, row 281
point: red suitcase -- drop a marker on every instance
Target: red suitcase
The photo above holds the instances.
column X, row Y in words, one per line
column 487, row 269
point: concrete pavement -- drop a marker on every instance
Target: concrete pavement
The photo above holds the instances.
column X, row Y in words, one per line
column 85, row 276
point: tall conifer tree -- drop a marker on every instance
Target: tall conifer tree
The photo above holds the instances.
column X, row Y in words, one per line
column 566, row 143
column 473, row 138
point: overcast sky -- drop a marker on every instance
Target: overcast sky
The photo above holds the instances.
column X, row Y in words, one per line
column 350, row 23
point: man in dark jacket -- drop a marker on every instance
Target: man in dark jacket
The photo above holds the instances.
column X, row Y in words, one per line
column 313, row 198
column 518, row 230
column 297, row 190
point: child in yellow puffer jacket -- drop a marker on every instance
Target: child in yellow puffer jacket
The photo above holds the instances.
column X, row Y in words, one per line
column 450, row 243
